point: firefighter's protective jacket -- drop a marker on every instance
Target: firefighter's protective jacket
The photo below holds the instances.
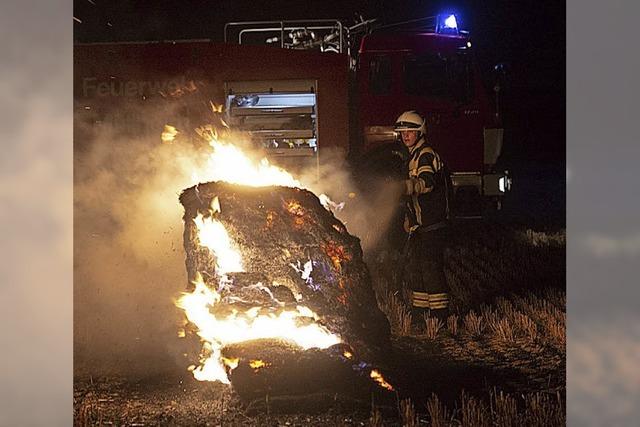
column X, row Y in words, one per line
column 426, row 189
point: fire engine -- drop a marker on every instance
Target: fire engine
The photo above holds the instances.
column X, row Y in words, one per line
column 303, row 89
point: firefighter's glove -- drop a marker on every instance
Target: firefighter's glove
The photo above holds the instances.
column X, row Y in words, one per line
column 415, row 185
column 411, row 185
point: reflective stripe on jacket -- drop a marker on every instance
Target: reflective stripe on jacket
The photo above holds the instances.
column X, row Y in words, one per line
column 426, row 188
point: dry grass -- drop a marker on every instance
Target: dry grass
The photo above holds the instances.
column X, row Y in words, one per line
column 505, row 307
column 536, row 238
column 473, row 324
column 491, row 261
column 438, row 413
column 390, row 300
column 473, row 412
column 452, row 324
column 542, row 409
column 503, row 330
column 375, row 418
column 398, row 314
column 432, row 326
column 87, row 414
column 542, row 318
column 408, row 415
column 525, row 326
column 502, row 409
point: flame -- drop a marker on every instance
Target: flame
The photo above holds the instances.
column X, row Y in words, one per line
column 257, row 364
column 230, row 362
column 215, row 205
column 217, row 332
column 348, row 354
column 229, row 163
column 214, row 236
column 216, row 108
column 377, row 377
column 168, row 134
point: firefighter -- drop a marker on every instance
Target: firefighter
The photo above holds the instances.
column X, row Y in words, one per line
column 427, row 212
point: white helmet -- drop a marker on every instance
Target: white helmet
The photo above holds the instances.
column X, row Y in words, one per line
column 410, row 120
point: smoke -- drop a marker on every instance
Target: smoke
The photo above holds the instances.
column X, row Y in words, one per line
column 128, row 257
column 371, row 200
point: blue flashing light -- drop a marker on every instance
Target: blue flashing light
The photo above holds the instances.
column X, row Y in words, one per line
column 447, row 23
column 451, row 22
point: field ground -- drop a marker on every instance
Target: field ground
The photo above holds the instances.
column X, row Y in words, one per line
column 499, row 359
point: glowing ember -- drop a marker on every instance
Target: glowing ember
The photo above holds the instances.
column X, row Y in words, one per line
column 377, row 377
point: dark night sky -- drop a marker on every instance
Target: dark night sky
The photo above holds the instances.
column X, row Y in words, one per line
column 527, row 35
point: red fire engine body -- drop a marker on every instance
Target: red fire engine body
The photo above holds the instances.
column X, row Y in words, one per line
column 149, row 84
column 295, row 102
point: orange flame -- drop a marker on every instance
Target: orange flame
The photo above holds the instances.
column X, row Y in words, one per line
column 217, row 332
column 227, row 162
column 377, row 377
column 230, row 362
column 257, row 364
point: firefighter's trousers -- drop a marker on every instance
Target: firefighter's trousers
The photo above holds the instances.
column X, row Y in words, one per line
column 425, row 270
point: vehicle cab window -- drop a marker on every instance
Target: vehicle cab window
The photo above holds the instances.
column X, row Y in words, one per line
column 437, row 76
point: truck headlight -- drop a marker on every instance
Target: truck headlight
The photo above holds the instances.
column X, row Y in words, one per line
column 504, row 184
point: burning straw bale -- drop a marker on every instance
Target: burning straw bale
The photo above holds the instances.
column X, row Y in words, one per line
column 294, row 253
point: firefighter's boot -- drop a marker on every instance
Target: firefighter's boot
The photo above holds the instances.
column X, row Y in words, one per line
column 419, row 309
column 418, row 323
